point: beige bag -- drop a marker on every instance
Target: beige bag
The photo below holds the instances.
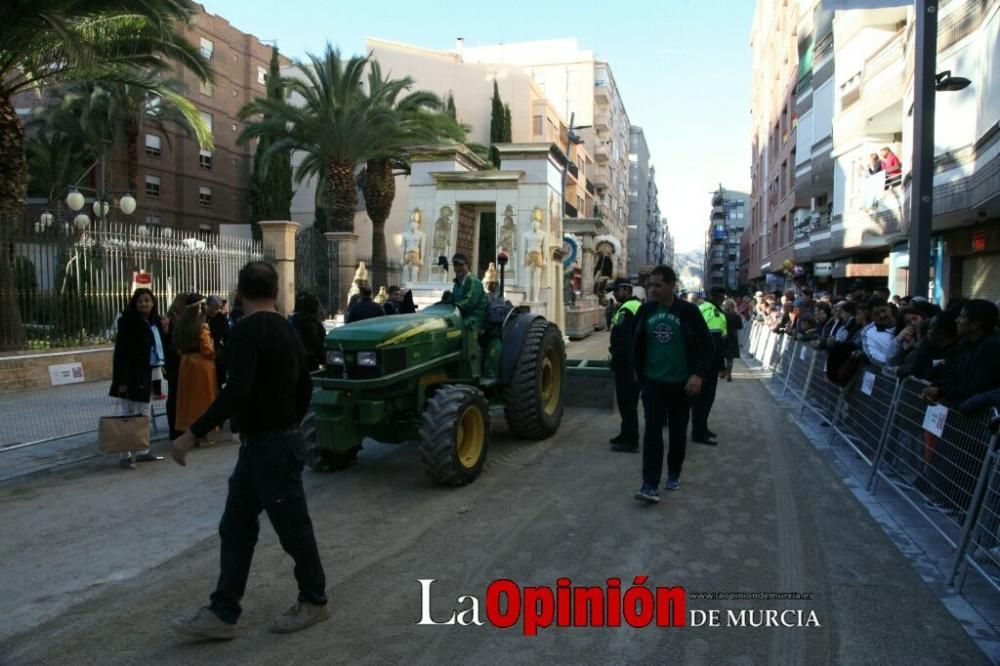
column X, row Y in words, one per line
column 118, row 434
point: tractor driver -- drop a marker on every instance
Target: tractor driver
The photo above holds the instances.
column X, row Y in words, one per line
column 467, row 294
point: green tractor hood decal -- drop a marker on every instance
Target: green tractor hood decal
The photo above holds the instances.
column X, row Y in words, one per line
column 396, row 329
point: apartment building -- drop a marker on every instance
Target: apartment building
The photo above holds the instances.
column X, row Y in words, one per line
column 180, row 185
column 727, row 223
column 668, row 243
column 774, row 198
column 645, row 228
column 857, row 227
column 582, row 87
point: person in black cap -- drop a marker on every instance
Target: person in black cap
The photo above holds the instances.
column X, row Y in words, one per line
column 701, row 406
column 626, row 388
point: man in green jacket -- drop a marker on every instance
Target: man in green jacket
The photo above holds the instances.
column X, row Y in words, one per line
column 468, row 294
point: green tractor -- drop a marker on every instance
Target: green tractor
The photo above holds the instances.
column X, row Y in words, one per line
column 426, row 377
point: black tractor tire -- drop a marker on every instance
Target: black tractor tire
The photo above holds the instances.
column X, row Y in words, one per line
column 455, row 435
column 531, row 408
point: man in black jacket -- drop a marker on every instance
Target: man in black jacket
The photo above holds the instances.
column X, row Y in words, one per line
column 626, row 388
column 672, row 353
column 365, row 308
column 976, row 366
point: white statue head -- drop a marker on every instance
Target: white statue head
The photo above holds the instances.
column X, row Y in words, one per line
column 415, row 220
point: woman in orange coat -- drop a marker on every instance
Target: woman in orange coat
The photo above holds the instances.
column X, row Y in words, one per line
column 197, row 386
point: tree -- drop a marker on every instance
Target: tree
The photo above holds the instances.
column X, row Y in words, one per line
column 43, row 42
column 450, row 107
column 496, row 125
column 271, row 181
column 419, row 119
column 334, row 125
column 507, row 131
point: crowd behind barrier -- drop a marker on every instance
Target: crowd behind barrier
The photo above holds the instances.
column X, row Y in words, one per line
column 943, row 463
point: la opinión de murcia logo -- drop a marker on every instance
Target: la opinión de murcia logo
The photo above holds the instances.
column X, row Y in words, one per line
column 542, row 607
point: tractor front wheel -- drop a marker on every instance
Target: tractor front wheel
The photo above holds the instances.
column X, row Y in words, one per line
column 455, row 435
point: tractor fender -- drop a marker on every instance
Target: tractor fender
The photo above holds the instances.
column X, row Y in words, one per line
column 513, row 340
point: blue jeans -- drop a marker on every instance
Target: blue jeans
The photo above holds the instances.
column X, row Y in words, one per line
column 267, row 477
column 661, row 400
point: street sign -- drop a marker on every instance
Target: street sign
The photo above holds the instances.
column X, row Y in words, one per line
column 841, row 5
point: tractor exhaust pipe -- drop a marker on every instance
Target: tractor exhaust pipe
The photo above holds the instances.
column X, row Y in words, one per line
column 502, row 263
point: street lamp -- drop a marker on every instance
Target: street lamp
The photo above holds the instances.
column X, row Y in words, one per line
column 926, row 82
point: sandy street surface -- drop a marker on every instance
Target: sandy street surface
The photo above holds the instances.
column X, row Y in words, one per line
column 97, row 560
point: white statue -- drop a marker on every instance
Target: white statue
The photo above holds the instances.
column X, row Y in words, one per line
column 533, row 243
column 413, row 249
column 442, row 235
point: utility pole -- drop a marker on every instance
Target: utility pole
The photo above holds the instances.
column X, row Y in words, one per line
column 922, row 186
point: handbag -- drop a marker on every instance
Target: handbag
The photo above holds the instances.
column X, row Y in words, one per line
column 118, row 434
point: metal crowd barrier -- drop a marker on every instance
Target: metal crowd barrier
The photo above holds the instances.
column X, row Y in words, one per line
column 944, row 464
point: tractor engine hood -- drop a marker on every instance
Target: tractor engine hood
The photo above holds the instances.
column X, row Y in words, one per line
column 431, row 324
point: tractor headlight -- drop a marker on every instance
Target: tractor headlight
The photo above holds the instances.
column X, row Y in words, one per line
column 335, row 358
column 367, row 359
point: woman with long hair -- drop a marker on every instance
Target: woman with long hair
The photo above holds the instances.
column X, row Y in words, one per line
column 173, row 363
column 137, row 365
column 197, row 384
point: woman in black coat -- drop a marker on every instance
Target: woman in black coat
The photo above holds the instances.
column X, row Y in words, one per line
column 138, row 364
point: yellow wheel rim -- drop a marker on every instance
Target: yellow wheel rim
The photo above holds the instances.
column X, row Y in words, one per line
column 470, row 436
column 551, row 384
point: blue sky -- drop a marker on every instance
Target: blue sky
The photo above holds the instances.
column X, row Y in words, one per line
column 683, row 68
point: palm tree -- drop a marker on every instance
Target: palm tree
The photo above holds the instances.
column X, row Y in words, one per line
column 329, row 118
column 43, row 42
column 419, row 119
column 53, row 161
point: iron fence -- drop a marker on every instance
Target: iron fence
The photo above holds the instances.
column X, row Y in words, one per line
column 65, row 285
column 944, row 464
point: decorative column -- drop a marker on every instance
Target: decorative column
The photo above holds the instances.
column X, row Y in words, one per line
column 587, row 268
column 343, row 246
column 279, row 238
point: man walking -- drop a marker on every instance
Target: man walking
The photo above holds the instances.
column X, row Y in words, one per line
column 701, row 406
column 365, row 308
column 268, row 391
column 626, row 388
column 671, row 355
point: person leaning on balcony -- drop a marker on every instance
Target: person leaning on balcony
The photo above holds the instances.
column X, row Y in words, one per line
column 874, row 164
column 891, row 165
column 137, row 364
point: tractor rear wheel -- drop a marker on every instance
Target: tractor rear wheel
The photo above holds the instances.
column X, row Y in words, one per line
column 455, row 435
column 534, row 397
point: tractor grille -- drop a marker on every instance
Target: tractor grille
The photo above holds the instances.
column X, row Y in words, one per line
column 394, row 360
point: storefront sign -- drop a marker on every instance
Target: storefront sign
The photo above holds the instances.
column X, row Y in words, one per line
column 823, row 268
column 979, row 241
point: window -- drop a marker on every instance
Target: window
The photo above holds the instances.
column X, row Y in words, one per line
column 205, row 159
column 152, row 186
column 207, row 119
column 153, row 145
column 153, row 220
column 207, row 88
column 537, row 125
column 261, row 75
column 205, row 197
column 207, row 47
column 205, row 228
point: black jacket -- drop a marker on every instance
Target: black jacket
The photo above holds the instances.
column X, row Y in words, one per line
column 365, row 308
column 697, row 340
column 975, row 369
column 621, row 336
column 313, row 335
column 130, row 366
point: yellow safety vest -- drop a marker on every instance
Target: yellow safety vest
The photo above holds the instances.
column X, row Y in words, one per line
column 715, row 319
column 630, row 306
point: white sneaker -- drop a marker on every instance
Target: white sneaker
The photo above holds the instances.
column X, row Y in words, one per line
column 298, row 617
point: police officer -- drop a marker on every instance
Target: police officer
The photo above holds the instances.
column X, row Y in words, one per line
column 701, row 405
column 626, row 387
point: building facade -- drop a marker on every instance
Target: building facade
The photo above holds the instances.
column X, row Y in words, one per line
column 727, row 223
column 774, row 198
column 645, row 228
column 581, row 87
column 180, row 185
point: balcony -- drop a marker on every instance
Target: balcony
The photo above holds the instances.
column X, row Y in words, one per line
column 602, row 211
column 602, row 92
column 602, row 180
column 882, row 83
column 573, row 170
column 602, row 121
column 570, row 210
column 602, row 153
column 590, row 186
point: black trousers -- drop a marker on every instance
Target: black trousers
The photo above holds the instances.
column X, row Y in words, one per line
column 627, row 396
column 268, row 477
column 701, row 404
column 172, row 404
column 661, row 401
